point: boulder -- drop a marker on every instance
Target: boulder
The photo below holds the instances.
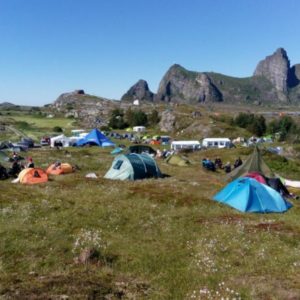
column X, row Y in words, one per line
column 167, row 121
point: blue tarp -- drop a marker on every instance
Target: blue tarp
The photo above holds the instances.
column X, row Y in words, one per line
column 249, row 195
column 95, row 137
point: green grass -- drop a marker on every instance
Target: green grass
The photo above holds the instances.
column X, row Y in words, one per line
column 35, row 125
column 44, row 122
column 157, row 239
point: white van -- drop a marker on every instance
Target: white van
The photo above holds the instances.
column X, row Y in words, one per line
column 178, row 145
column 216, row 143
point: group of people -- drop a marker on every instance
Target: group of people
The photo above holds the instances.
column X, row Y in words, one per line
column 213, row 165
column 16, row 166
column 164, row 154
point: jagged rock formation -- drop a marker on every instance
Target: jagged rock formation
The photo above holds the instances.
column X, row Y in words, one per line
column 139, row 91
column 181, row 85
column 273, row 82
column 275, row 68
column 285, row 79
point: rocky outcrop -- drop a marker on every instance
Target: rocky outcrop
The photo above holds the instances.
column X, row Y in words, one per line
column 181, row 85
column 276, row 68
column 167, row 121
column 68, row 98
column 294, row 76
column 139, row 91
column 92, row 111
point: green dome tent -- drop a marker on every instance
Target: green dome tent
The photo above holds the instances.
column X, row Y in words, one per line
column 133, row 166
column 177, row 160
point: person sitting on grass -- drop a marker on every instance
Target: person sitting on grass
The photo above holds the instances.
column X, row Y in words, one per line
column 238, row 163
column 227, row 167
column 15, row 169
column 30, row 163
column 218, row 163
column 208, row 164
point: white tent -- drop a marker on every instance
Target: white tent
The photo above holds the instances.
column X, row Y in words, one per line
column 60, row 138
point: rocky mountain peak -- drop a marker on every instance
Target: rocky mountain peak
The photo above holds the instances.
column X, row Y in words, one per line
column 139, row 91
column 275, row 68
column 282, row 52
column 181, row 85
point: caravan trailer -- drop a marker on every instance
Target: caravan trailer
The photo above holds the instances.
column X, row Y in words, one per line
column 217, row 143
column 179, row 145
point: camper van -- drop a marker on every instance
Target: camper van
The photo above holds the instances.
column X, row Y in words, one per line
column 216, row 143
column 191, row 145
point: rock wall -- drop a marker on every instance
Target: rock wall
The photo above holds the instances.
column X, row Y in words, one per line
column 183, row 86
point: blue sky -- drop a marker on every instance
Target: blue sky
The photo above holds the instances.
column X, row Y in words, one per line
column 104, row 46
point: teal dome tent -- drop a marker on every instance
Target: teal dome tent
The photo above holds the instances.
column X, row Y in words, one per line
column 133, row 166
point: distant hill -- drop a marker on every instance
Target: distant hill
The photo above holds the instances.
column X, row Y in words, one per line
column 6, row 104
column 11, row 106
column 92, row 109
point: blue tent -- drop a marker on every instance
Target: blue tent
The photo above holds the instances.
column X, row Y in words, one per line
column 117, row 150
column 95, row 137
column 249, row 195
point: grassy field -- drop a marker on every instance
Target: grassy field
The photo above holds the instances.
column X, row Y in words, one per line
column 154, row 239
column 35, row 125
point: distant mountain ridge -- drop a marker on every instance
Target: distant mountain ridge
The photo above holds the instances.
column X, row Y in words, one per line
column 274, row 81
column 6, row 104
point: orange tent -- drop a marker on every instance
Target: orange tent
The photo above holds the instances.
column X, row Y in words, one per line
column 33, row 176
column 63, row 168
column 154, row 142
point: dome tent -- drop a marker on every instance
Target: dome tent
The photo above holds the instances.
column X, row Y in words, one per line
column 32, row 176
column 248, row 195
column 63, row 168
column 133, row 166
column 177, row 160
